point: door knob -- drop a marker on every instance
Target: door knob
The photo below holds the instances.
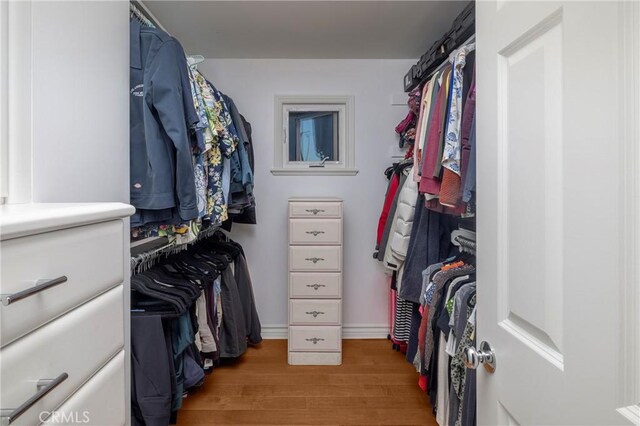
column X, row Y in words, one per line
column 485, row 356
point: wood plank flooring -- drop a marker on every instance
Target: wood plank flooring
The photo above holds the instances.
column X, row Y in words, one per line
column 373, row 386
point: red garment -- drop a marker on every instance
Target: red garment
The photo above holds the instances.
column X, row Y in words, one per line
column 404, row 124
column 450, row 194
column 437, row 207
column 422, row 383
column 428, row 183
column 388, row 201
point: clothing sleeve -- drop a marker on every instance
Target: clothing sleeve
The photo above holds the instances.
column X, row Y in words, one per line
column 247, row 173
column 167, row 95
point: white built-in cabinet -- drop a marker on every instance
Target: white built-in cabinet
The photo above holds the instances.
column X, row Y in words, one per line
column 315, row 281
column 62, row 320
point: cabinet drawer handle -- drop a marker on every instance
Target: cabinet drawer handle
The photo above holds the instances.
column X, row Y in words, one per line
column 315, row 233
column 316, row 286
column 8, row 299
column 43, row 386
column 315, row 340
column 314, row 259
column 314, row 211
column 315, row 313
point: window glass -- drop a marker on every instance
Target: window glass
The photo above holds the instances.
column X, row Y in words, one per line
column 313, row 136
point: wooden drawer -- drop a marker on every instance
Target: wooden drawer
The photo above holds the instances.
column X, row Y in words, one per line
column 91, row 257
column 315, row 209
column 314, row 312
column 99, row 402
column 315, row 339
column 315, row 231
column 78, row 343
column 315, row 258
column 320, row 285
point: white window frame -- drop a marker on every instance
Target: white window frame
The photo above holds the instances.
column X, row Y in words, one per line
column 16, row 116
column 4, row 101
column 344, row 105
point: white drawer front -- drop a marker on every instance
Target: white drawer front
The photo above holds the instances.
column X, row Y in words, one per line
column 316, row 258
column 91, row 257
column 78, row 343
column 315, row 339
column 315, row 285
column 100, row 402
column 315, row 209
column 315, row 231
column 312, row 312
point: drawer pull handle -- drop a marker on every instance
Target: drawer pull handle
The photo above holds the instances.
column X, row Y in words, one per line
column 315, row 313
column 314, row 259
column 315, row 340
column 315, row 211
column 316, row 286
column 315, row 233
column 43, row 386
column 8, row 299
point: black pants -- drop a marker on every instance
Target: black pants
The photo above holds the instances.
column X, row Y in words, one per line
column 150, row 372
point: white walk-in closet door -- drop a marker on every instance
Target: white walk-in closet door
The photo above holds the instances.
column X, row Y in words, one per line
column 558, row 85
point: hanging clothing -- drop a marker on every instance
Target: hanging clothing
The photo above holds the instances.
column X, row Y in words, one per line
column 162, row 175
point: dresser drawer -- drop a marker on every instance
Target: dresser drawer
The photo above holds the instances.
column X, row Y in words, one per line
column 315, row 339
column 90, row 257
column 315, row 231
column 314, row 312
column 78, row 344
column 99, row 402
column 315, row 258
column 315, row 285
column 315, row 209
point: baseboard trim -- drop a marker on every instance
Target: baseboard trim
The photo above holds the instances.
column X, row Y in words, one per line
column 365, row 331
column 348, row 331
column 275, row 332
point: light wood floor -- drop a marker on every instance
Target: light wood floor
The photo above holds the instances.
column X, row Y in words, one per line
column 373, row 386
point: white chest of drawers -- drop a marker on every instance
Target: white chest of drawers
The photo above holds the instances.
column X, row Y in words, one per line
column 315, row 281
column 63, row 317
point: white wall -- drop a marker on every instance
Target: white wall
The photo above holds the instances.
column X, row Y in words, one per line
column 80, row 101
column 253, row 84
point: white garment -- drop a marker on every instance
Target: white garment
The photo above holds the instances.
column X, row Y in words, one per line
column 400, row 231
column 204, row 338
column 442, row 403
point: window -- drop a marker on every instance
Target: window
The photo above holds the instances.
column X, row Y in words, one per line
column 314, row 135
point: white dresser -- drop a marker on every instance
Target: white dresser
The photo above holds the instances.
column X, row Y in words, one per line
column 64, row 312
column 315, row 281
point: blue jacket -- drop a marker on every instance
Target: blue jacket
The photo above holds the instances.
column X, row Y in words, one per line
column 241, row 174
column 161, row 115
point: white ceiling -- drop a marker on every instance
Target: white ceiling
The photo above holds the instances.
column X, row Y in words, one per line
column 306, row 29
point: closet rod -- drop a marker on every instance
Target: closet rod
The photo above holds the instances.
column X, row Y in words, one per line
column 144, row 10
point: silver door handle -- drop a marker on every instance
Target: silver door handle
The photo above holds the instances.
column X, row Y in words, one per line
column 315, row 233
column 8, row 299
column 485, row 356
column 43, row 386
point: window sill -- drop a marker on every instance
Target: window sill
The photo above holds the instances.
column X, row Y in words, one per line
column 314, row 171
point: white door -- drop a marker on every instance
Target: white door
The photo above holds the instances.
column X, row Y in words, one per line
column 558, row 211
